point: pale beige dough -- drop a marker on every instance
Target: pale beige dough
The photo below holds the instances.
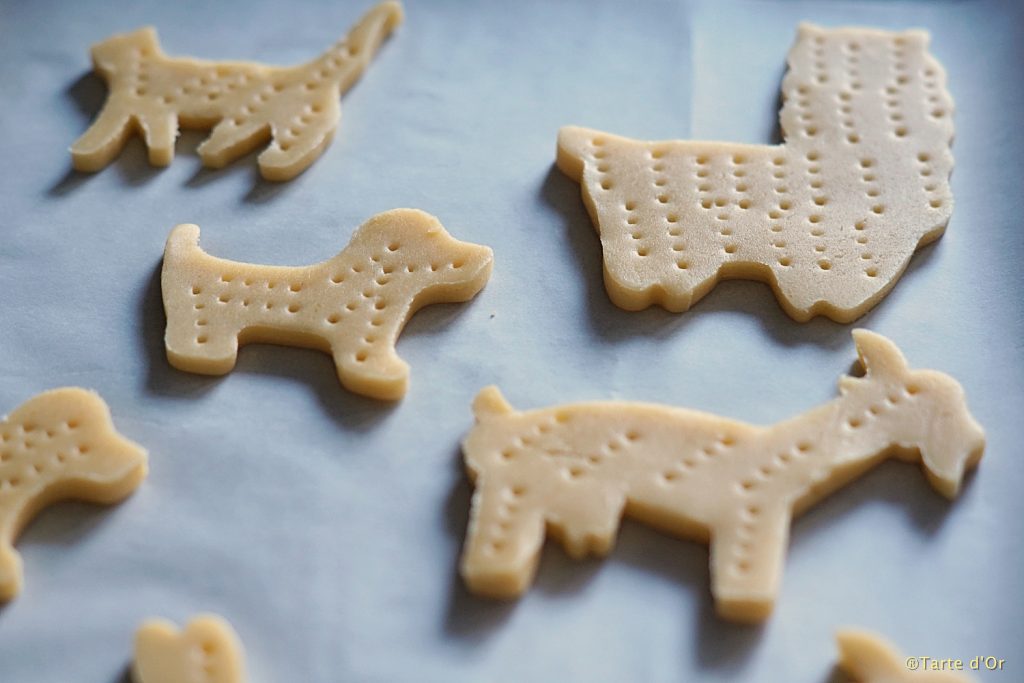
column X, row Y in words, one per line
column 829, row 218
column 574, row 470
column 207, row 650
column 246, row 104
column 352, row 306
column 58, row 445
column 867, row 658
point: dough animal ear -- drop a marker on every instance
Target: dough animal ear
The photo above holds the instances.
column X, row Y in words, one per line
column 866, row 656
column 809, row 30
column 879, row 356
column 490, row 403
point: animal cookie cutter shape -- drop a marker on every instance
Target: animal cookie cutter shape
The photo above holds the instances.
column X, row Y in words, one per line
column 353, row 305
column 574, row 470
column 58, row 445
column 245, row 103
column 868, row 659
column 207, row 650
column 829, row 218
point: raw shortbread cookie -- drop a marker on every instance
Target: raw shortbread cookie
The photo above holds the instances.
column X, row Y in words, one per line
column 829, row 219
column 58, row 445
column 207, row 650
column 352, row 306
column 246, row 104
column 574, row 470
column 869, row 659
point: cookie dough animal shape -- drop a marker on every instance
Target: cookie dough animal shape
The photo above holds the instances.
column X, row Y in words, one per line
column 57, row 446
column 246, row 104
column 207, row 650
column 829, row 218
column 352, row 306
column 866, row 658
column 574, row 470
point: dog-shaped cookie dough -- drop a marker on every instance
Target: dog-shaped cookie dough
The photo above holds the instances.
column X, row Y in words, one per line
column 246, row 104
column 829, row 218
column 58, row 445
column 352, row 306
column 574, row 470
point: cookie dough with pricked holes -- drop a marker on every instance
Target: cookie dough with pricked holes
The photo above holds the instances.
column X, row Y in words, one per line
column 574, row 470
column 829, row 219
column 868, row 659
column 246, row 104
column 352, row 306
column 207, row 650
column 59, row 445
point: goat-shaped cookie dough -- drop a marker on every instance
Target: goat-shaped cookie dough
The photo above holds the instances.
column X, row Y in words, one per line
column 352, row 306
column 207, row 650
column 58, row 445
column 575, row 469
column 246, row 104
column 866, row 658
column 829, row 218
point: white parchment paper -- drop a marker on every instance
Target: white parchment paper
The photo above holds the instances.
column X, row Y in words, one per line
column 327, row 527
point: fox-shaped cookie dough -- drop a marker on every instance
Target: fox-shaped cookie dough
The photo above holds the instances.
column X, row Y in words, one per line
column 246, row 104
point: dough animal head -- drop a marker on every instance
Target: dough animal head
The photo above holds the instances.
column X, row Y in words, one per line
column 925, row 411
column 59, row 445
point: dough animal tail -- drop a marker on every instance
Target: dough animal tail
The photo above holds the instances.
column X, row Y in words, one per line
column 184, row 241
column 362, row 41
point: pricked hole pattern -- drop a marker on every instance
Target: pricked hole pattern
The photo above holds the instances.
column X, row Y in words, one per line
column 234, row 92
column 832, row 119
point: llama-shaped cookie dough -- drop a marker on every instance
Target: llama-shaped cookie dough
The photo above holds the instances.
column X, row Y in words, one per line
column 574, row 470
column 207, row 650
column 352, row 306
column 866, row 658
column 246, row 104
column 829, row 218
column 58, row 445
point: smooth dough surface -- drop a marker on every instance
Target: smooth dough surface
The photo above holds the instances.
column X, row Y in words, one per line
column 246, row 104
column 207, row 650
column 352, row 306
column 574, row 470
column 829, row 219
column 867, row 658
column 59, row 445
